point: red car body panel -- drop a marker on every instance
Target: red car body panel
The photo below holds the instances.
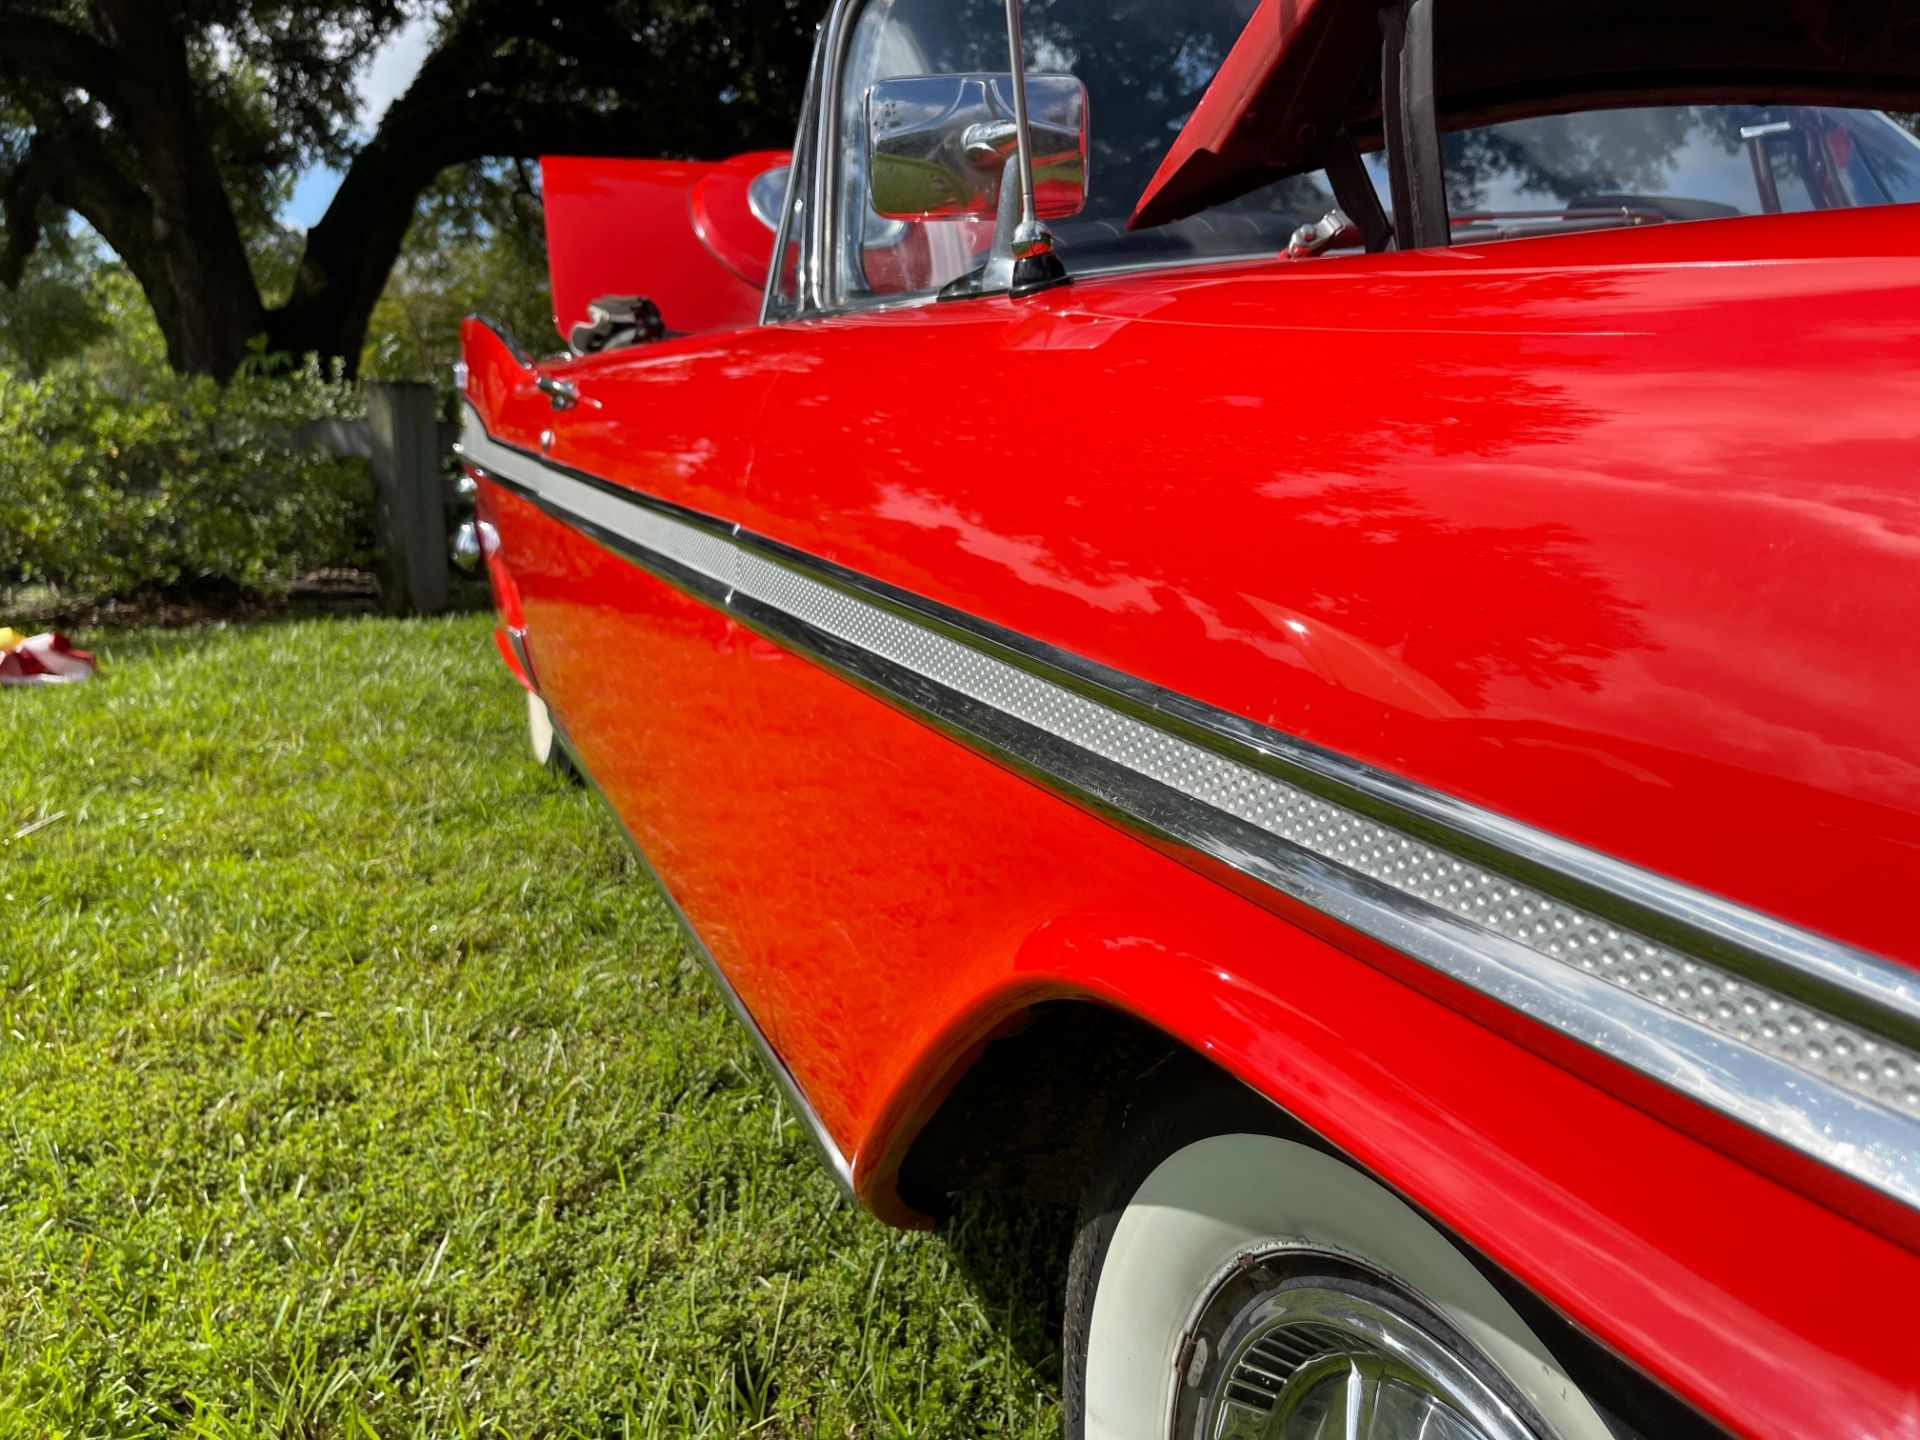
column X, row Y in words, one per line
column 1524, row 523
column 1613, row 534
column 678, row 231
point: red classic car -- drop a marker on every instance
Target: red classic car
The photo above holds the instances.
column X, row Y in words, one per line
column 1349, row 708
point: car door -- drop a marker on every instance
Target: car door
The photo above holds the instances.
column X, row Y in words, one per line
column 1443, row 513
column 889, row 877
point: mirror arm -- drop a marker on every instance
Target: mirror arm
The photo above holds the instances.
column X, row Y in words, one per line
column 998, row 272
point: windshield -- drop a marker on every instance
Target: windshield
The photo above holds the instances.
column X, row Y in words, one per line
column 1146, row 64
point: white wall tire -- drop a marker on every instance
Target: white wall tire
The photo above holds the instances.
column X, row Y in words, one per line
column 541, row 737
column 1148, row 1260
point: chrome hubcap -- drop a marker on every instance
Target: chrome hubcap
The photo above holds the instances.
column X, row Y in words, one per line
column 1336, row 1354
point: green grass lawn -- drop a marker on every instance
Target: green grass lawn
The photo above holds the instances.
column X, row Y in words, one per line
column 358, row 1084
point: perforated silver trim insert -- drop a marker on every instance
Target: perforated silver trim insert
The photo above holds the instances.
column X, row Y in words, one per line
column 1736, row 1008
column 1821, row 1084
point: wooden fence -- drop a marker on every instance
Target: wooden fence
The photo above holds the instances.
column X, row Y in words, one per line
column 408, row 445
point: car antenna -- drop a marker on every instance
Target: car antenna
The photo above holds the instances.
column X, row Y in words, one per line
column 1035, row 265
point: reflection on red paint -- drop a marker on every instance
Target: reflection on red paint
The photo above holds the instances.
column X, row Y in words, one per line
column 1613, row 533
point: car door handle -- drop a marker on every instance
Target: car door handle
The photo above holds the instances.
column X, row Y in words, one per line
column 561, row 394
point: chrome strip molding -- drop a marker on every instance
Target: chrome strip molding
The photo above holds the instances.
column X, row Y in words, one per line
column 1802, row 1039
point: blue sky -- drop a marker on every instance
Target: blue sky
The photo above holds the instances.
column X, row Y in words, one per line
column 385, row 79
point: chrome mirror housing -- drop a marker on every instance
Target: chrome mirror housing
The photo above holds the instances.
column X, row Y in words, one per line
column 937, row 145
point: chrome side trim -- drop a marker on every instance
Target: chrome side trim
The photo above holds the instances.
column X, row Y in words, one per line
column 1830, row 974
column 820, row 256
column 517, row 638
column 798, row 198
column 790, row 1091
column 1800, row 1038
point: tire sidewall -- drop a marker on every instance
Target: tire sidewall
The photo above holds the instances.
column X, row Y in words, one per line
column 1225, row 1176
column 540, row 736
column 544, row 740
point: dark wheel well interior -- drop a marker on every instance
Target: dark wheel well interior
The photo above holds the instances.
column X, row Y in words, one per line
column 1031, row 1114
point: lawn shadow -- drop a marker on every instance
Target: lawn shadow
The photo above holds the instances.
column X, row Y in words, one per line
column 1012, row 1252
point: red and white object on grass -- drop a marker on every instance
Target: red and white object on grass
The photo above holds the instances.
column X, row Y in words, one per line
column 48, row 659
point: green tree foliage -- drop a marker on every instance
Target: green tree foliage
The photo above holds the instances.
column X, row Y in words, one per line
column 54, row 313
column 477, row 246
column 174, row 127
column 131, row 355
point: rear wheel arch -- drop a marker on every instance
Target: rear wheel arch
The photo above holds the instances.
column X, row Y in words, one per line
column 1031, row 1110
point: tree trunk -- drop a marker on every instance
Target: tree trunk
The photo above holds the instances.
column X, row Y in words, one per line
column 216, row 308
column 351, row 251
column 349, row 255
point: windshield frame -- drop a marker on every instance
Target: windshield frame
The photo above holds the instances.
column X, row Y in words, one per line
column 818, row 289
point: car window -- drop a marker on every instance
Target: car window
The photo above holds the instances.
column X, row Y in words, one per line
column 1672, row 162
column 1145, row 66
column 1888, row 152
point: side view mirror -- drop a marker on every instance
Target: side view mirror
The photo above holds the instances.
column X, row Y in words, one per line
column 938, row 144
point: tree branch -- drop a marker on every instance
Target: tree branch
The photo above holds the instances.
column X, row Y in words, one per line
column 469, row 101
column 192, row 218
column 509, row 79
column 20, row 201
column 53, row 59
column 59, row 52
column 75, row 170
column 441, row 120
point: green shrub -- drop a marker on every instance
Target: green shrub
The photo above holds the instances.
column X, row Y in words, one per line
column 179, row 486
